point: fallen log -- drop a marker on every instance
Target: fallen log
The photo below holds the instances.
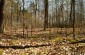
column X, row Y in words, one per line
column 76, row 42
column 23, row 47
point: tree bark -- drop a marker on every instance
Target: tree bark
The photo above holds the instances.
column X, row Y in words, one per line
column 73, row 18
column 1, row 15
column 46, row 15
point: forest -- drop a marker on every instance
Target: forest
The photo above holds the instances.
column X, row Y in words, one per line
column 42, row 27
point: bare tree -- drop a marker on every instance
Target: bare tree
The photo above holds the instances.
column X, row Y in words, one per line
column 72, row 16
column 46, row 14
column 1, row 15
column 23, row 16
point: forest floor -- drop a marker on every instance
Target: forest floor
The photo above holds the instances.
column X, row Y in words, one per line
column 57, row 44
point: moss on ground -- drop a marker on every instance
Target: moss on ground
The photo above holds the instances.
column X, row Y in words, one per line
column 57, row 39
column 1, row 51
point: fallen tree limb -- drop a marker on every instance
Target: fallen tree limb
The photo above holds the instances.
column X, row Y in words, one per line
column 76, row 42
column 23, row 47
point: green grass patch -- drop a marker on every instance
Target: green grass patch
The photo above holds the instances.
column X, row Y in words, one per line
column 34, row 37
column 72, row 40
column 57, row 39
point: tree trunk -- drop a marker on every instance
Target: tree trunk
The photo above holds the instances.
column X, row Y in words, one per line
column 72, row 16
column 1, row 15
column 46, row 15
